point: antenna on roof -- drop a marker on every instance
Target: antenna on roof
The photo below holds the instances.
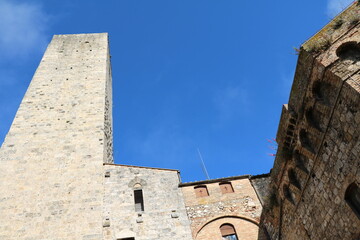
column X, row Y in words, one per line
column 203, row 165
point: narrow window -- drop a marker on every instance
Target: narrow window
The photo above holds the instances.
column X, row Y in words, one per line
column 352, row 197
column 127, row 238
column 201, row 191
column 226, row 187
column 228, row 232
column 139, row 200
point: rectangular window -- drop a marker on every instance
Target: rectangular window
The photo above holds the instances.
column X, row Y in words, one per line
column 201, row 191
column 226, row 187
column 139, row 200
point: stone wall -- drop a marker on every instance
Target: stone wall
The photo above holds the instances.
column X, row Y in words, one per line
column 51, row 173
column 164, row 215
column 261, row 184
column 318, row 137
column 241, row 208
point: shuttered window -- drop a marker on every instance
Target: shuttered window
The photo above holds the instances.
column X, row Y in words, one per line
column 201, row 191
column 139, row 200
column 228, row 232
column 226, row 187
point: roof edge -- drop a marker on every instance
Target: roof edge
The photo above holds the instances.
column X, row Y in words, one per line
column 123, row 165
column 214, row 180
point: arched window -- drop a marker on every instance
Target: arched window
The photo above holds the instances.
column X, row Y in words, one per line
column 226, row 187
column 352, row 197
column 228, row 232
column 139, row 200
column 201, row 191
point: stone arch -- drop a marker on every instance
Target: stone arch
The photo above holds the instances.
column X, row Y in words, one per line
column 136, row 182
column 246, row 219
column 349, row 51
column 323, row 92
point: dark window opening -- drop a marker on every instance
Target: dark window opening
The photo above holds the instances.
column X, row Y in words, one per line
column 293, row 178
column 352, row 197
column 313, row 118
column 139, row 200
column 349, row 51
column 201, row 191
column 300, row 161
column 226, row 187
column 127, row 238
column 228, row 232
column 288, row 194
column 324, row 92
column 305, row 141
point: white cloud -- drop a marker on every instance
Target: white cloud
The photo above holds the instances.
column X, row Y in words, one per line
column 334, row 7
column 22, row 28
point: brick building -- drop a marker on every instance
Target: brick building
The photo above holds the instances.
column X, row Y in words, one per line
column 57, row 176
column 58, row 180
column 315, row 181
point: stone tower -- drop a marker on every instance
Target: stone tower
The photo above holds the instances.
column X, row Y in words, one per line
column 51, row 162
column 315, row 190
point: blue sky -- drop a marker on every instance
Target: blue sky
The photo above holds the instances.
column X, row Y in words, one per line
column 187, row 74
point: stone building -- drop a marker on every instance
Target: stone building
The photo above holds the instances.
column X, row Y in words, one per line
column 143, row 203
column 58, row 180
column 51, row 161
column 57, row 176
column 225, row 207
column 315, row 181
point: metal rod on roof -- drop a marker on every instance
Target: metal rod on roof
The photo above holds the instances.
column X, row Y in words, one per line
column 203, row 165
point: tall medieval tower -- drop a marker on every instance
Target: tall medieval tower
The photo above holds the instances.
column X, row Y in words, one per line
column 51, row 162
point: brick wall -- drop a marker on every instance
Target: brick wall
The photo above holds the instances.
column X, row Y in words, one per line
column 241, row 208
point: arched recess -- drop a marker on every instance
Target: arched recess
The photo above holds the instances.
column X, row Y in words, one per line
column 226, row 219
column 349, row 51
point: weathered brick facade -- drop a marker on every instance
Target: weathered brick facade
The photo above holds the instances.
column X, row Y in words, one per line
column 58, row 180
column 240, row 208
column 318, row 136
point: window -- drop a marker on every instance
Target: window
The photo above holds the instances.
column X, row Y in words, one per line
column 201, row 191
column 352, row 197
column 226, row 187
column 131, row 238
column 139, row 200
column 228, row 232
